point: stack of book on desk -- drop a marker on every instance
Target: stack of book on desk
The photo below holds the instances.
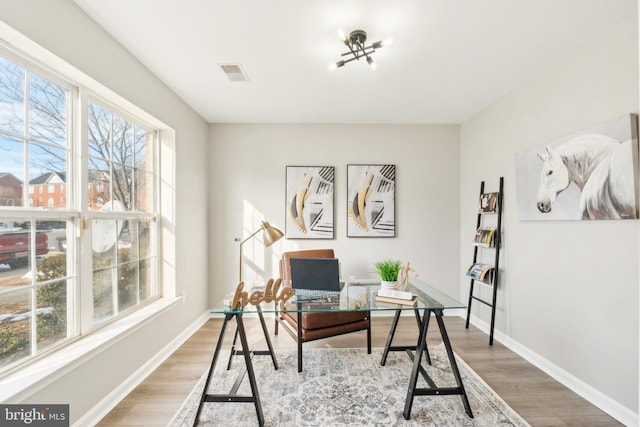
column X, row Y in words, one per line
column 396, row 297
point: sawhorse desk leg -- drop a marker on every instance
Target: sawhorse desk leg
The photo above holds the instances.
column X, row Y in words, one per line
column 388, row 347
column 258, row 352
column 232, row 396
column 434, row 390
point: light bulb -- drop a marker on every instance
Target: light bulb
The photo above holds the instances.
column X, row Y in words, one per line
column 336, row 65
column 371, row 63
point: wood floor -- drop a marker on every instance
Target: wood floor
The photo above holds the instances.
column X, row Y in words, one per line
column 533, row 394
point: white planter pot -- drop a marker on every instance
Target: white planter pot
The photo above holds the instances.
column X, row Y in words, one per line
column 388, row 285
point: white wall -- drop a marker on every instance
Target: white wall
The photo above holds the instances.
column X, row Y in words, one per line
column 248, row 174
column 64, row 30
column 569, row 290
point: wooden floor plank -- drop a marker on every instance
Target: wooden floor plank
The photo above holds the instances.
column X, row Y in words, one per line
column 539, row 399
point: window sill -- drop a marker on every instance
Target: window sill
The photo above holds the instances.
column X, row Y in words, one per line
column 23, row 383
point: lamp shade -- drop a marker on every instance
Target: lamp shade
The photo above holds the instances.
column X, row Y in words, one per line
column 271, row 234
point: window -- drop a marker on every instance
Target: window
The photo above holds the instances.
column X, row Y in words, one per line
column 40, row 295
column 121, row 162
column 36, row 284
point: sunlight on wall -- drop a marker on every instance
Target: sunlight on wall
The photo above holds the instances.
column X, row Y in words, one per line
column 259, row 264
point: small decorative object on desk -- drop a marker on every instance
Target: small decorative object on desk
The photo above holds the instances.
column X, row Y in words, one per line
column 271, row 292
column 388, row 285
column 398, row 293
column 404, row 277
column 394, row 277
column 388, row 271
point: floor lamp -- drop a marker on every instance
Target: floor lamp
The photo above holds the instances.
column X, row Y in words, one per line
column 270, row 236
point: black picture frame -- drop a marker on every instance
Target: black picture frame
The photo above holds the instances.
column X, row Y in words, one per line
column 309, row 202
column 371, row 199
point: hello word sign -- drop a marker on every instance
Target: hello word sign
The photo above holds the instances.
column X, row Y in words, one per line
column 271, row 293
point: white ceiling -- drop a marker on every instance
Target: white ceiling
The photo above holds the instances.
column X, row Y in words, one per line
column 449, row 58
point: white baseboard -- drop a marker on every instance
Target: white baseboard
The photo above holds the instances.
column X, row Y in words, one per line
column 589, row 393
column 99, row 411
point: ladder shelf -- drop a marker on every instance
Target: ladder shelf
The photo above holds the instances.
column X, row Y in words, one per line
column 486, row 238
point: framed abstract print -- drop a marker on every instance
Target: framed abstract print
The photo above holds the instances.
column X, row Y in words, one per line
column 371, row 193
column 309, row 202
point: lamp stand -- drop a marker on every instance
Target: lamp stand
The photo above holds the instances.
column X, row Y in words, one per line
column 242, row 243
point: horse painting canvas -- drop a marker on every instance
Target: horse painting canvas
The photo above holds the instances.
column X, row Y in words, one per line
column 590, row 175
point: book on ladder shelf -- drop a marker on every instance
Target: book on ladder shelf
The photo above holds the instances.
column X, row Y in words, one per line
column 481, row 272
column 484, row 237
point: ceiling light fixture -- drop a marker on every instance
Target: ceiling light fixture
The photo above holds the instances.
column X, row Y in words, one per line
column 356, row 42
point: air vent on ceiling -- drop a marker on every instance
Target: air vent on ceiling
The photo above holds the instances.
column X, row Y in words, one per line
column 234, row 72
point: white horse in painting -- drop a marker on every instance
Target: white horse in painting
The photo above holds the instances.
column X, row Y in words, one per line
column 603, row 170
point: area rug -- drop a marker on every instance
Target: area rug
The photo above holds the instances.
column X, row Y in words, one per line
column 346, row 387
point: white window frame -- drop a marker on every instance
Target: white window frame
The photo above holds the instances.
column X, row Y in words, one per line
column 87, row 318
column 39, row 368
column 23, row 384
column 42, row 212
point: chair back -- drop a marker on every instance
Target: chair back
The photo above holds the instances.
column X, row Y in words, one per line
column 285, row 262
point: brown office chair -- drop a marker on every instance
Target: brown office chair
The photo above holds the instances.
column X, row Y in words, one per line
column 315, row 326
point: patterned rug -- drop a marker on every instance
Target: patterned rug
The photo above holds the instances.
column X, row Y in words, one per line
column 347, row 387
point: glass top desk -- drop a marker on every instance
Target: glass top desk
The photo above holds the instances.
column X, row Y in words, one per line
column 353, row 297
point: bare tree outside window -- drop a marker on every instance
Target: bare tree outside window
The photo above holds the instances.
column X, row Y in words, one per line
column 118, row 159
column 45, row 103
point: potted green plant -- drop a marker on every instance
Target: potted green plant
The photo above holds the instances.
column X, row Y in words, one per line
column 388, row 271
